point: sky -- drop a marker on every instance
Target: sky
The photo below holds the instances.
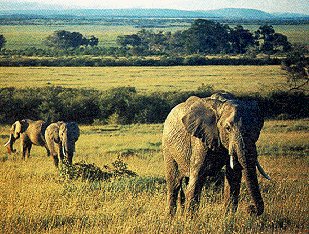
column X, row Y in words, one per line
column 296, row 6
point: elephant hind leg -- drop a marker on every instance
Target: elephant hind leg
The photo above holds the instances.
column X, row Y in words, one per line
column 173, row 181
column 182, row 197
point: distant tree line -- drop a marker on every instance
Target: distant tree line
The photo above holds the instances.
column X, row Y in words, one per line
column 203, row 37
column 124, row 105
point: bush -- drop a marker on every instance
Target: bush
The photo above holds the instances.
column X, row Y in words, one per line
column 285, row 105
column 124, row 105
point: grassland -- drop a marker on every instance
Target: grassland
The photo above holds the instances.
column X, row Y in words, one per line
column 36, row 199
column 237, row 79
column 23, row 36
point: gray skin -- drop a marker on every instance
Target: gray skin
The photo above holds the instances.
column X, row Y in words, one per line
column 30, row 133
column 200, row 137
column 60, row 138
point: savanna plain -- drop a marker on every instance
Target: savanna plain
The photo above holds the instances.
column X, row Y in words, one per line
column 38, row 198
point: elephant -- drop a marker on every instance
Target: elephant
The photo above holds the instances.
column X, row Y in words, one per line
column 60, row 138
column 30, row 133
column 200, row 137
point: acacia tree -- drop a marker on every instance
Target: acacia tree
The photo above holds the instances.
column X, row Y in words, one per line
column 297, row 66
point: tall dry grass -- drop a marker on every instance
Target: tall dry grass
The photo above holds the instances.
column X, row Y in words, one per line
column 236, row 79
column 35, row 198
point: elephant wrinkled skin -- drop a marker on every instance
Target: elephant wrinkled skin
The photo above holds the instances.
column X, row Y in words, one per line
column 200, row 137
column 30, row 133
column 60, row 138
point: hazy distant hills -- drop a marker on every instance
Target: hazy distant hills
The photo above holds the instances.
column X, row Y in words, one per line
column 44, row 10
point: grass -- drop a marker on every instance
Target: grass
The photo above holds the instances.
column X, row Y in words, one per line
column 36, row 199
column 23, row 36
column 237, row 79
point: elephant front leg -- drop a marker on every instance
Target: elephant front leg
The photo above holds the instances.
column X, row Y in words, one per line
column 194, row 189
column 232, row 190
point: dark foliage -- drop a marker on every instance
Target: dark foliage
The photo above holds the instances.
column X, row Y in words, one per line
column 64, row 40
column 2, row 41
column 124, row 105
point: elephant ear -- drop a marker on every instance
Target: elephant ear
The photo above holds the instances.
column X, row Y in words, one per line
column 201, row 122
column 74, row 130
column 19, row 127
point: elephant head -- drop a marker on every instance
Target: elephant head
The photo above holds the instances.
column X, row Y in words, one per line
column 17, row 128
column 68, row 135
column 223, row 122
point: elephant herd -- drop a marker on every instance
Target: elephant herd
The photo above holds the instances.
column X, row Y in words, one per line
column 200, row 137
column 58, row 138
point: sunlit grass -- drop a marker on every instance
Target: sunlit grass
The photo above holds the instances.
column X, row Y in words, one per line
column 24, row 36
column 36, row 199
column 237, row 79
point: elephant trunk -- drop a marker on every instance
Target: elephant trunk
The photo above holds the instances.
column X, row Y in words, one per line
column 9, row 144
column 247, row 157
column 68, row 148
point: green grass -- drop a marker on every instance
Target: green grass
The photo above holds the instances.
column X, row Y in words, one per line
column 36, row 199
column 237, row 79
column 23, row 36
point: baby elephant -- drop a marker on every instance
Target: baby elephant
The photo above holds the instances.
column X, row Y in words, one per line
column 60, row 138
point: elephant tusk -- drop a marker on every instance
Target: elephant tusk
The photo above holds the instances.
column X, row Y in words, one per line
column 231, row 162
column 63, row 151
column 7, row 143
column 261, row 170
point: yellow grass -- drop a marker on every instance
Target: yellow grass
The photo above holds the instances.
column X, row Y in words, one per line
column 237, row 79
column 34, row 198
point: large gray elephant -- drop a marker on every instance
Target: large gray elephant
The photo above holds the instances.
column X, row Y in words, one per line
column 60, row 138
column 200, row 137
column 30, row 133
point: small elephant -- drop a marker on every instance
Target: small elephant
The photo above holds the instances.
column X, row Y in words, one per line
column 30, row 133
column 200, row 137
column 60, row 138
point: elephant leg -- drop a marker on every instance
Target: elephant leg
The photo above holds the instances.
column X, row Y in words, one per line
column 29, row 146
column 55, row 159
column 233, row 189
column 194, row 189
column 173, row 182
column 182, row 197
column 23, row 147
column 47, row 151
column 70, row 158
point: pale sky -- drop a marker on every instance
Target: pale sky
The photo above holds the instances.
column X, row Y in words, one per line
column 297, row 6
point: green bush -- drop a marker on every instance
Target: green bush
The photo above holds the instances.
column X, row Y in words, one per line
column 124, row 105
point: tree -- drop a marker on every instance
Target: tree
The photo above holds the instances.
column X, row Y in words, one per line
column 270, row 41
column 2, row 41
column 129, row 40
column 64, row 40
column 205, row 36
column 240, row 39
column 92, row 41
column 297, row 66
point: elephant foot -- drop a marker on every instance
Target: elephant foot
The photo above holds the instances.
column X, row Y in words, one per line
column 252, row 210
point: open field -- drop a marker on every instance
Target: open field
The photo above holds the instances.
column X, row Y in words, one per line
column 23, row 36
column 36, row 199
column 237, row 79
